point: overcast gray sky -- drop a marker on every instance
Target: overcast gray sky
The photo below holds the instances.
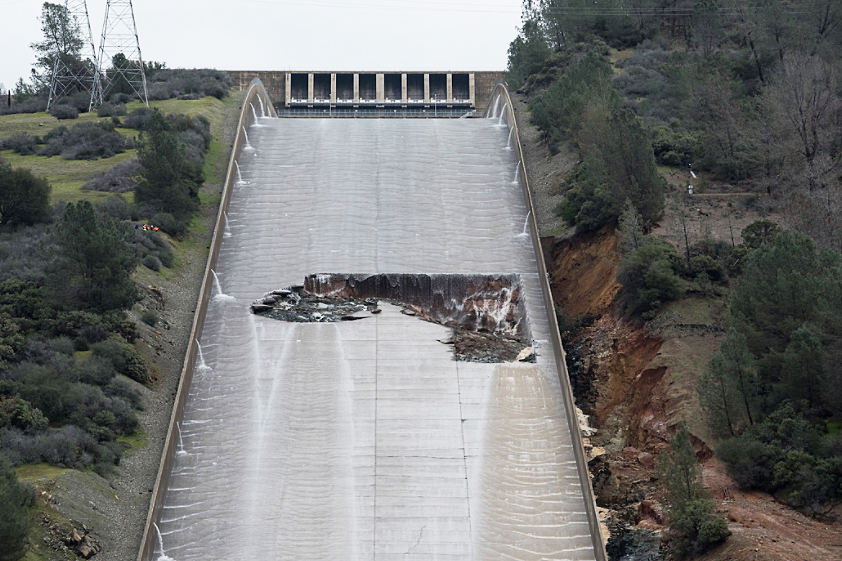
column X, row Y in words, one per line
column 291, row 34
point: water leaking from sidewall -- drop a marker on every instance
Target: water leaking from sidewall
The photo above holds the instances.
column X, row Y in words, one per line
column 248, row 146
column 294, row 450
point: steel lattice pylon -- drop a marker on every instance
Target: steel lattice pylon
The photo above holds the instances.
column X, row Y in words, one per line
column 68, row 79
column 119, row 37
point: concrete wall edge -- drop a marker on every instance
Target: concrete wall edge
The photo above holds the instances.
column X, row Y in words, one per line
column 507, row 115
column 150, row 538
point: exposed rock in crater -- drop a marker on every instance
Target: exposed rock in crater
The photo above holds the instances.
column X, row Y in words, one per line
column 471, row 337
column 295, row 304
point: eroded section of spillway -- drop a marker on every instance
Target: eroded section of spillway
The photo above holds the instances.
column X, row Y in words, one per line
column 366, row 440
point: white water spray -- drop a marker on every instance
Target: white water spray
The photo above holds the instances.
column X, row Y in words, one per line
column 246, row 136
column 217, row 289
column 502, row 113
column 226, row 233
column 163, row 556
column 201, row 368
column 516, row 180
column 239, row 174
column 525, row 233
column 509, row 142
column 180, row 451
column 262, row 107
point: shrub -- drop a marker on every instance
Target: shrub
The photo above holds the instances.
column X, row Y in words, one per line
column 673, row 148
column 648, row 278
column 21, row 143
column 152, row 262
column 116, row 206
column 96, row 371
column 170, row 224
column 149, row 318
column 68, row 446
column 80, row 100
column 139, row 119
column 749, row 462
column 121, row 178
column 110, row 109
column 123, row 357
column 24, row 197
column 31, row 105
column 705, row 264
column 19, row 413
column 152, row 243
column 86, row 141
column 63, row 112
column 119, row 387
column 189, row 83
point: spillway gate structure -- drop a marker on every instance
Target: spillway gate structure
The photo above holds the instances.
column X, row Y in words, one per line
column 366, row 439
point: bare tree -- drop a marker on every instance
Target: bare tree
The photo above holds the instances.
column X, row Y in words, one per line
column 805, row 94
column 823, row 18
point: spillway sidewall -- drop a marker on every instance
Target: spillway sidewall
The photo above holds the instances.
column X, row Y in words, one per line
column 500, row 91
column 150, row 538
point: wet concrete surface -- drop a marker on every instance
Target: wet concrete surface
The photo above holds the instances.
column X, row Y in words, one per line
column 366, row 440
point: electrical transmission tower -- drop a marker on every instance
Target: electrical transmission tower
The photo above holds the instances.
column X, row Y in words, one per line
column 71, row 75
column 120, row 61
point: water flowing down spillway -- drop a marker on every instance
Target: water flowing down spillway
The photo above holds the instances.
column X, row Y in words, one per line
column 365, row 440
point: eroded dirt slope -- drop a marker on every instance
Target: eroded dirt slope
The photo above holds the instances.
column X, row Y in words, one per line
column 636, row 381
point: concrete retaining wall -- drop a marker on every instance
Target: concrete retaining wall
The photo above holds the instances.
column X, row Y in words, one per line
column 501, row 93
column 150, row 534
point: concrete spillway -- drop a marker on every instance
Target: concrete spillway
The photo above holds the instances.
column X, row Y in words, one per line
column 365, row 440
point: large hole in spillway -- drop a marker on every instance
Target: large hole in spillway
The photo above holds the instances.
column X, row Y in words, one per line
column 486, row 313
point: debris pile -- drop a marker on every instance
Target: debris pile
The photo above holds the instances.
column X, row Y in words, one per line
column 295, row 304
column 479, row 346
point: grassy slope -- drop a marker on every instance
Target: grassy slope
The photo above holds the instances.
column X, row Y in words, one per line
column 67, row 178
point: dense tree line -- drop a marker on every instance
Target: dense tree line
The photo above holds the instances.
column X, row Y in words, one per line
column 745, row 90
column 66, row 344
column 581, row 105
column 67, row 353
column 774, row 390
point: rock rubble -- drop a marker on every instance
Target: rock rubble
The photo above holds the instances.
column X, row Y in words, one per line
column 295, row 304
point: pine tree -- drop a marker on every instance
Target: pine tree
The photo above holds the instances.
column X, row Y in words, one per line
column 24, row 197
column 689, row 510
column 62, row 39
column 94, row 266
column 167, row 179
column 14, row 514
